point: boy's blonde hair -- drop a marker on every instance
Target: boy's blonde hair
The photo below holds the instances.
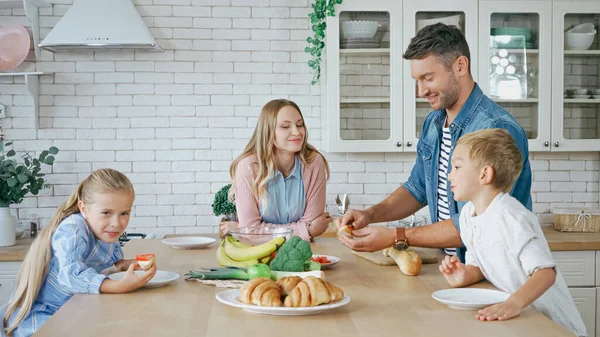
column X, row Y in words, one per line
column 33, row 271
column 498, row 149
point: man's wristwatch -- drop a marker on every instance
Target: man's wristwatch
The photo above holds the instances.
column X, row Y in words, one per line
column 400, row 240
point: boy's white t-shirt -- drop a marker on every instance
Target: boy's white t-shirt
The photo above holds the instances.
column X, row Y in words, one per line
column 507, row 243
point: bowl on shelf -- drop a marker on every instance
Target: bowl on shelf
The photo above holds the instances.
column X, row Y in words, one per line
column 580, row 37
column 359, row 29
column 257, row 236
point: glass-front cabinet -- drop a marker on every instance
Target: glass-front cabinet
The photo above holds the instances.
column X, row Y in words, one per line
column 418, row 14
column 575, row 69
column 515, row 50
column 363, row 80
column 369, row 101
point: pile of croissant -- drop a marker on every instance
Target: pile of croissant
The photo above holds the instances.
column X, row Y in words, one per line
column 291, row 291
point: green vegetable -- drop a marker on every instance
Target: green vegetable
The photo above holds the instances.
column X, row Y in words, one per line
column 311, row 265
column 259, row 270
column 221, row 205
column 229, row 273
column 292, row 255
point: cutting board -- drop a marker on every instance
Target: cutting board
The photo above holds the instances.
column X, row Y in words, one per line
column 428, row 255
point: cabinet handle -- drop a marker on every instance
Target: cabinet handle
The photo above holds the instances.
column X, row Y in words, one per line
column 546, row 143
column 556, row 144
column 409, row 144
column 399, row 144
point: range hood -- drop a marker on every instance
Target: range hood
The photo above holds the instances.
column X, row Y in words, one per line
column 98, row 25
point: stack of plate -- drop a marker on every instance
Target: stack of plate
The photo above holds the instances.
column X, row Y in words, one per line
column 515, row 40
column 360, row 43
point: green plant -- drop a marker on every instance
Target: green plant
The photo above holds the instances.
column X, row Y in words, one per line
column 221, row 205
column 321, row 9
column 16, row 180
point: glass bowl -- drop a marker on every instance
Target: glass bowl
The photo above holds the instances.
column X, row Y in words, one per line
column 258, row 236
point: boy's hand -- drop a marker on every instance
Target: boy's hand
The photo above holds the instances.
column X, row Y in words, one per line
column 132, row 281
column 123, row 265
column 454, row 271
column 501, row 311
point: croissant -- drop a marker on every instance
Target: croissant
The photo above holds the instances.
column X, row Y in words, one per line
column 288, row 283
column 312, row 291
column 261, row 291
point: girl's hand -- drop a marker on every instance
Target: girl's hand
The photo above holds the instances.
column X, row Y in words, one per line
column 123, row 265
column 132, row 281
column 501, row 311
column 454, row 271
column 319, row 225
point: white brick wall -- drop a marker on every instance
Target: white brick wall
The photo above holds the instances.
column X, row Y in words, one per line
column 173, row 121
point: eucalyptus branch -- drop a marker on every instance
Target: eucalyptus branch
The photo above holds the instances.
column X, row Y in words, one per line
column 321, row 9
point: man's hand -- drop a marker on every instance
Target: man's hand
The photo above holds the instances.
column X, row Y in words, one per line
column 501, row 311
column 370, row 239
column 358, row 219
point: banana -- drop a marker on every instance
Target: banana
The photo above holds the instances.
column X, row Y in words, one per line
column 235, row 242
column 265, row 259
column 242, row 254
column 226, row 261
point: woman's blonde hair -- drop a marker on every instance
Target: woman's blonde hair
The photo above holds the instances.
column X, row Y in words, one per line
column 262, row 144
column 498, row 149
column 37, row 261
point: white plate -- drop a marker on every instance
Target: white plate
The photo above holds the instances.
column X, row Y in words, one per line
column 230, row 297
column 333, row 259
column 162, row 278
column 187, row 242
column 469, row 298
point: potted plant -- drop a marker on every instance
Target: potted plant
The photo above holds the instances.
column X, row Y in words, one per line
column 16, row 181
column 223, row 207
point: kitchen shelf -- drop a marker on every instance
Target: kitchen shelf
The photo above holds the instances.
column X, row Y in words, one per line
column 359, row 100
column 523, row 100
column 32, row 12
column 33, row 86
column 583, row 100
column 365, row 51
column 527, row 51
column 583, row 52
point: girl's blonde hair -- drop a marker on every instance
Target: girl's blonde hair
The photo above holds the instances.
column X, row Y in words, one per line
column 37, row 261
column 498, row 149
column 262, row 144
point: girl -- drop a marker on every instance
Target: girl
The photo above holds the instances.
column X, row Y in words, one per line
column 66, row 258
column 280, row 178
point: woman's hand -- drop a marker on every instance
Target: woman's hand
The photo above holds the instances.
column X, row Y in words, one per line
column 226, row 226
column 319, row 225
column 501, row 311
column 123, row 265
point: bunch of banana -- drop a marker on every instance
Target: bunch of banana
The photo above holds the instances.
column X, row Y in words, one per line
column 232, row 253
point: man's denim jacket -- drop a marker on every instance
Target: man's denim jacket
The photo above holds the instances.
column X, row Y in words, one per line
column 479, row 112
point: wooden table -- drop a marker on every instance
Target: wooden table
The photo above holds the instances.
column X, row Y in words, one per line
column 384, row 303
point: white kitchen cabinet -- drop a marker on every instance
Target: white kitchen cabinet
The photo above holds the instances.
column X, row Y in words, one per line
column 8, row 277
column 575, row 120
column 585, row 301
column 577, row 267
column 515, row 71
column 598, row 268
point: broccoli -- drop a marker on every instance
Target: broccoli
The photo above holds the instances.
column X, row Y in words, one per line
column 293, row 255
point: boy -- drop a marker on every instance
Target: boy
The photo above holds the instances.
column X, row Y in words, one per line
column 504, row 241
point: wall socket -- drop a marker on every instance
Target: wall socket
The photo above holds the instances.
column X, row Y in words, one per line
column 2, row 111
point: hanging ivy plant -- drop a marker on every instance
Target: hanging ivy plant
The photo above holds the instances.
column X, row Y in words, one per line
column 321, row 9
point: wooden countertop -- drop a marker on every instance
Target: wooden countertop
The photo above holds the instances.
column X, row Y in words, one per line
column 571, row 241
column 17, row 252
column 384, row 302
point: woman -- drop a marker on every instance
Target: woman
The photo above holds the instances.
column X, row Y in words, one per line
column 280, row 179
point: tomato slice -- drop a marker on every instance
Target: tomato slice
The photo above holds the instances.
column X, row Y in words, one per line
column 145, row 257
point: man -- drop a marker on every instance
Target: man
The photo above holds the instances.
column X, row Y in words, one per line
column 440, row 63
